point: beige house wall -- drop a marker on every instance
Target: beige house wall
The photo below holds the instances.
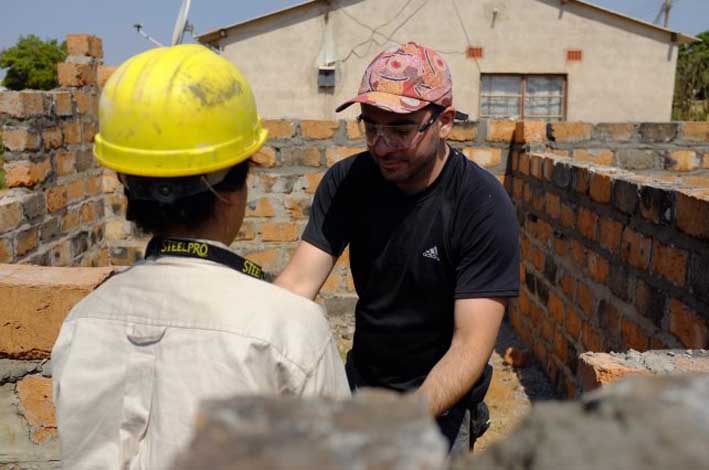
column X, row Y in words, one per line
column 627, row 72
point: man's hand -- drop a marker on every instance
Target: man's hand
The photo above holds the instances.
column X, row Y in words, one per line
column 477, row 322
column 307, row 270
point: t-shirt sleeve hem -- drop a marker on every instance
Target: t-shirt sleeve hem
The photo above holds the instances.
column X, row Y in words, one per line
column 487, row 294
column 319, row 244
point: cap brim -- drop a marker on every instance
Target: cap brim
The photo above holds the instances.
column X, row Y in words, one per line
column 386, row 101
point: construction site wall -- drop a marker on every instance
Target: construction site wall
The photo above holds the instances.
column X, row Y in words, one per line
column 612, row 259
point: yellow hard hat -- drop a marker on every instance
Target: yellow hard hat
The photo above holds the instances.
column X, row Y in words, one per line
column 176, row 111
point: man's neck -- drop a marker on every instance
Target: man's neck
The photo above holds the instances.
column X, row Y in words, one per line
column 430, row 174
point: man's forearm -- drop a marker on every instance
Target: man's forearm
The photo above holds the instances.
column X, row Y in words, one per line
column 453, row 376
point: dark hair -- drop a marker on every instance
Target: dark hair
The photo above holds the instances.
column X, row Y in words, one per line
column 153, row 216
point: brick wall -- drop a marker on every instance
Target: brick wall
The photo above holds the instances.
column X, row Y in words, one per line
column 52, row 209
column 612, row 259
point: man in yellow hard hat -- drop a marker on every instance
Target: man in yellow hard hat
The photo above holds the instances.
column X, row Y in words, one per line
column 194, row 320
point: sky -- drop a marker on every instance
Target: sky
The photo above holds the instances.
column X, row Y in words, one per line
column 113, row 20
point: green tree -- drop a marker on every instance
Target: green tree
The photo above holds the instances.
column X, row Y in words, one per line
column 32, row 63
column 692, row 82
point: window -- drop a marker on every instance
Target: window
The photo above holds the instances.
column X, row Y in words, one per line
column 523, row 97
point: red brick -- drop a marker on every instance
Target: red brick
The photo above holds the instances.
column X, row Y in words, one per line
column 527, row 196
column 279, row 129
column 501, row 131
column 601, row 188
column 246, row 232
column 5, row 251
column 596, row 370
column 692, row 215
column 635, row 249
column 76, row 75
column 35, row 396
column 335, row 154
column 574, row 324
column 633, row 336
column 545, row 232
column 538, row 259
column 261, row 207
column 687, row 325
column 548, row 330
column 26, row 173
column 528, row 132
column 312, row 181
column 93, row 185
column 695, row 131
column 332, row 284
column 596, row 156
column 88, row 131
column 63, row 105
column 279, row 232
column 20, row 139
column 524, row 247
column 52, row 138
column 517, row 188
column 265, row 157
column 568, row 216
column 82, row 101
column 615, row 131
column 598, row 267
column 592, row 338
column 70, row 221
column 568, row 284
column 84, row 45
column 72, row 132
column 561, row 246
column 297, row 207
column 25, row 242
column 581, row 180
column 65, row 162
column 56, row 198
column 588, row 223
column 556, row 308
column 578, row 253
column 353, row 131
column 523, row 302
column 683, row 160
column 103, row 73
column 535, row 166
column 485, row 157
column 315, row 130
column 670, row 263
column 540, row 352
column 561, row 348
column 22, row 104
column 548, row 168
column 523, row 163
column 75, row 190
column 301, row 156
column 88, row 214
column 459, row 132
column 571, row 131
column 585, row 299
column 611, row 233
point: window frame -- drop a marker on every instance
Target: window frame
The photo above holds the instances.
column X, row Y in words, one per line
column 523, row 94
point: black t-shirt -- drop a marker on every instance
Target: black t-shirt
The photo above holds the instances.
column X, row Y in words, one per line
column 412, row 256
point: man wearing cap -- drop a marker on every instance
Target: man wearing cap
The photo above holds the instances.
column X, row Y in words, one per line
column 433, row 242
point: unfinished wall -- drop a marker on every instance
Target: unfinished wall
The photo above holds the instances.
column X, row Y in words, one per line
column 52, row 210
column 612, row 259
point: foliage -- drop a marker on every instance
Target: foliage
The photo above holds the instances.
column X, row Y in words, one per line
column 32, row 63
column 692, row 82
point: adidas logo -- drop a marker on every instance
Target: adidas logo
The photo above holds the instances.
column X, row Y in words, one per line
column 432, row 253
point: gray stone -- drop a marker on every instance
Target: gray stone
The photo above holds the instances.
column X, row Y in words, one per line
column 373, row 430
column 561, row 175
column 12, row 371
column 634, row 159
column 34, row 205
column 626, row 196
column 640, row 423
column 50, row 229
column 84, row 161
column 15, row 445
column 658, row 132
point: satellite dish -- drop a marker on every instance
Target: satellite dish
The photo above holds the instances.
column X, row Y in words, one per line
column 181, row 25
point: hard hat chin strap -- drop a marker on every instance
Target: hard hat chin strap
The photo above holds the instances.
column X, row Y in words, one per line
column 168, row 190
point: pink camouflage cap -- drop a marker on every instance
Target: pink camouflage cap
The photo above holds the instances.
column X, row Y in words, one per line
column 404, row 79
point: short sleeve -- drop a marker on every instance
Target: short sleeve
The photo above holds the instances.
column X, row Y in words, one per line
column 488, row 263
column 329, row 226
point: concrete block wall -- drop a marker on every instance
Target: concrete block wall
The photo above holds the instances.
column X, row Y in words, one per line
column 52, row 209
column 612, row 259
column 35, row 301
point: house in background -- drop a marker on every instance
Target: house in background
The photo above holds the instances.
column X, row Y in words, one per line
column 510, row 59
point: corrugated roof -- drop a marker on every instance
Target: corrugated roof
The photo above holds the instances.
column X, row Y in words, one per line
column 217, row 33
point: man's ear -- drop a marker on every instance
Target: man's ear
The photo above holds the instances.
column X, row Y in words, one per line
column 446, row 119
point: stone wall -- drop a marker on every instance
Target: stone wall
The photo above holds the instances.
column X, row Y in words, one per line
column 612, row 259
column 53, row 207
